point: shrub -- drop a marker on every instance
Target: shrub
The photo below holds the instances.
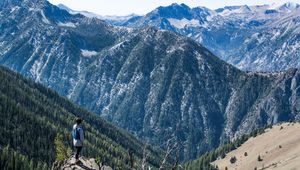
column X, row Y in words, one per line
column 233, row 160
column 259, row 158
column 62, row 151
column 223, row 155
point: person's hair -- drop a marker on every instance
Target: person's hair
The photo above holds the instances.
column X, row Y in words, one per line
column 78, row 120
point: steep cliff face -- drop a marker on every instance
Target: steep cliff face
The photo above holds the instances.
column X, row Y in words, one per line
column 156, row 84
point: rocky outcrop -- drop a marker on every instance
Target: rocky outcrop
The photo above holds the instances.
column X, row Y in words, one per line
column 85, row 164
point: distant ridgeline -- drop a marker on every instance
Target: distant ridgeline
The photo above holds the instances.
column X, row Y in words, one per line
column 32, row 116
column 204, row 161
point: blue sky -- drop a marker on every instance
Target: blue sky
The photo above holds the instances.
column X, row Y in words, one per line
column 125, row 7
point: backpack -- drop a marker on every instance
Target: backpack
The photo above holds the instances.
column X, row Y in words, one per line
column 76, row 133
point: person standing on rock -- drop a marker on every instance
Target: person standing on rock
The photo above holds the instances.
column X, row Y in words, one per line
column 78, row 138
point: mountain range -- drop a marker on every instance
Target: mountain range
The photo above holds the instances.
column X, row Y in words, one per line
column 252, row 38
column 156, row 84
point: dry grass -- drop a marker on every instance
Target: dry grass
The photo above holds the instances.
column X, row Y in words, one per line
column 279, row 149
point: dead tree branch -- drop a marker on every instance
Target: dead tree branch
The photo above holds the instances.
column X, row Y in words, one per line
column 145, row 156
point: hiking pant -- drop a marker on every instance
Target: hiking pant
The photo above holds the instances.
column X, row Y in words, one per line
column 78, row 150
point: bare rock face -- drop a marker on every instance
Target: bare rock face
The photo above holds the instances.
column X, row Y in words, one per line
column 86, row 164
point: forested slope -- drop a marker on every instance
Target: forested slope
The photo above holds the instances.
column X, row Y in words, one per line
column 31, row 116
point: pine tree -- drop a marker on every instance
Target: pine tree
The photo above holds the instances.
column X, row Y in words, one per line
column 259, row 158
column 60, row 148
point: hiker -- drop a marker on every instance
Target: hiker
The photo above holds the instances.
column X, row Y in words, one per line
column 78, row 138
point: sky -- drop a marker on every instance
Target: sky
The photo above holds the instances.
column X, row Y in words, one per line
column 125, row 7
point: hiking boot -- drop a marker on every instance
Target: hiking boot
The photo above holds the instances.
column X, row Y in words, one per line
column 78, row 162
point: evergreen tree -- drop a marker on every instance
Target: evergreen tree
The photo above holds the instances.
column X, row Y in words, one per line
column 36, row 122
column 62, row 152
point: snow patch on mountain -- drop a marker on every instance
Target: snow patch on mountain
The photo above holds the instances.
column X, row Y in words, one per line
column 87, row 53
column 184, row 23
column 67, row 24
column 44, row 19
column 14, row 9
column 117, row 18
column 289, row 6
column 241, row 10
column 35, row 69
column 117, row 46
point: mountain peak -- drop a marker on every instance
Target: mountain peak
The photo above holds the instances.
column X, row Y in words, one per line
column 289, row 6
column 245, row 7
column 62, row 6
column 175, row 6
column 178, row 5
column 178, row 11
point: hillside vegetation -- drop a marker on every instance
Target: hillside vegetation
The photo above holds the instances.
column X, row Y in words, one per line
column 278, row 148
column 32, row 116
column 272, row 147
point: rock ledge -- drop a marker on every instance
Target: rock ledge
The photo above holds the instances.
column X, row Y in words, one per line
column 86, row 164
